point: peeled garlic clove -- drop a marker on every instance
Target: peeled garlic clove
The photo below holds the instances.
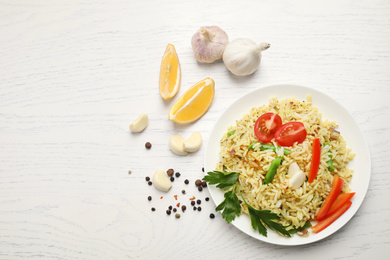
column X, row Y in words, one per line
column 242, row 56
column 176, row 143
column 193, row 143
column 297, row 180
column 161, row 181
column 293, row 169
column 139, row 124
column 209, row 43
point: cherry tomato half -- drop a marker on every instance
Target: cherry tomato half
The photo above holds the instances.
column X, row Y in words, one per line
column 289, row 133
column 266, row 126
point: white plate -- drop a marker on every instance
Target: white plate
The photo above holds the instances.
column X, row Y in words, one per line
column 331, row 110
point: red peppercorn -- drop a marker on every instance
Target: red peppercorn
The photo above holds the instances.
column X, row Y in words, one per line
column 198, row 182
column 170, row 172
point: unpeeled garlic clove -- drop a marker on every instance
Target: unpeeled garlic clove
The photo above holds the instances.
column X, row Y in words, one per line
column 161, row 181
column 139, row 124
column 297, row 180
column 176, row 143
column 193, row 143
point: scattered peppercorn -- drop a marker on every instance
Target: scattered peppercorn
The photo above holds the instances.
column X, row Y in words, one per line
column 147, row 178
column 150, row 183
column 148, row 145
column 199, row 208
column 170, row 172
column 194, row 208
column 198, row 202
column 177, row 174
column 153, row 209
column 183, row 208
column 212, row 215
column 172, row 179
column 177, row 215
column 204, row 184
column 202, row 169
column 174, row 209
column 200, row 188
column 198, row 182
column 170, row 207
column 186, row 181
column 183, row 191
column 149, row 198
column 207, row 198
column 168, row 212
column 193, row 203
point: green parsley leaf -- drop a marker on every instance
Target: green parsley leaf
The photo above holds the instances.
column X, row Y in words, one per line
column 256, row 222
column 224, row 180
column 231, row 206
column 262, row 218
column 305, row 226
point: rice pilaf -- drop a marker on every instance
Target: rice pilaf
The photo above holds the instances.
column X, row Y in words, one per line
column 294, row 206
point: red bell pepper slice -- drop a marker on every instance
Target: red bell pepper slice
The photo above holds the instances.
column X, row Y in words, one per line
column 321, row 225
column 315, row 160
column 337, row 185
column 340, row 201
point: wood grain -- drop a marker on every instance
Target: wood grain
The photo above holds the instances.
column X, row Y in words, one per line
column 74, row 75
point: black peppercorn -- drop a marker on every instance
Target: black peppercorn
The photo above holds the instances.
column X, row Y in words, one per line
column 193, row 202
column 150, row 183
column 172, row 179
column 207, row 198
column 149, row 198
column 183, row 208
column 168, row 212
column 183, row 191
column 199, row 208
column 147, row 178
column 200, row 188
column 186, row 181
column 177, row 174
column 153, row 209
column 212, row 215
column 198, row 202
column 204, row 184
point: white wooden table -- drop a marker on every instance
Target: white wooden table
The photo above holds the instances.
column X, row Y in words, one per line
column 75, row 74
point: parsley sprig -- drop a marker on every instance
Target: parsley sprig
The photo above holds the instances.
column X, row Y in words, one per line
column 231, row 207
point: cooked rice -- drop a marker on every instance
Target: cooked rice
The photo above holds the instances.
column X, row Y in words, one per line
column 295, row 207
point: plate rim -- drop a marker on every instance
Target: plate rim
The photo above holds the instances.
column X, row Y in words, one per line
column 345, row 218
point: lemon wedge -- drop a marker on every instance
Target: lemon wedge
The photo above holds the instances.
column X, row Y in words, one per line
column 194, row 103
column 170, row 73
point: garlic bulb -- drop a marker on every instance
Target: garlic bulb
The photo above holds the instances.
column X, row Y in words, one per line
column 242, row 56
column 208, row 43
